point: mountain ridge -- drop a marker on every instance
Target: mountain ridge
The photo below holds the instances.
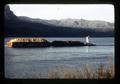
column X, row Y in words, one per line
column 73, row 23
column 28, row 27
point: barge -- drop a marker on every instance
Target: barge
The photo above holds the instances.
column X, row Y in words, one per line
column 40, row 42
column 66, row 43
column 28, row 42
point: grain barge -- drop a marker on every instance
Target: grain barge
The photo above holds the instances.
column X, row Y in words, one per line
column 40, row 42
column 28, row 42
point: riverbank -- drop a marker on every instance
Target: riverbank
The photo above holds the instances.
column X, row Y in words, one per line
column 62, row 72
column 85, row 73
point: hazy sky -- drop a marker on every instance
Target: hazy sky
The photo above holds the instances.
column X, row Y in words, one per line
column 61, row 11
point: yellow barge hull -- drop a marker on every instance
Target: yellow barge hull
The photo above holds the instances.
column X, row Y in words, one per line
column 28, row 42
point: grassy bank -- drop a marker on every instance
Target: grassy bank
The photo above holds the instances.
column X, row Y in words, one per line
column 85, row 73
column 67, row 72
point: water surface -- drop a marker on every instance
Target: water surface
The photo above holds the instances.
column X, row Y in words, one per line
column 23, row 62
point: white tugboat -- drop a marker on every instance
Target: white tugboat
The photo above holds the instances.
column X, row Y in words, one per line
column 87, row 43
column 87, row 39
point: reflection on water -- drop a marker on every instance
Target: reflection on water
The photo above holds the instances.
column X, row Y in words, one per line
column 86, row 49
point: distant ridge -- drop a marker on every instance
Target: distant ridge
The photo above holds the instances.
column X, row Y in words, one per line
column 27, row 27
column 82, row 23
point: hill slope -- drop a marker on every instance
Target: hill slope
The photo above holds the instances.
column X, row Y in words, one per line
column 28, row 27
